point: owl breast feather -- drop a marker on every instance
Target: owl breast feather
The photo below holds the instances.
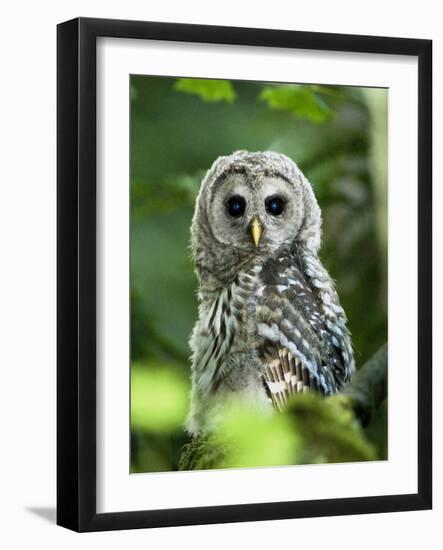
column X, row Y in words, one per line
column 276, row 311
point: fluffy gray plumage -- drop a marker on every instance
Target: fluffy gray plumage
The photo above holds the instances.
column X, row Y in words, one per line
column 270, row 322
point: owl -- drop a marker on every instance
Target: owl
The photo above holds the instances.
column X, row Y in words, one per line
column 270, row 323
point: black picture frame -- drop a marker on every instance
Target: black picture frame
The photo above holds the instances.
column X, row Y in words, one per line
column 76, row 279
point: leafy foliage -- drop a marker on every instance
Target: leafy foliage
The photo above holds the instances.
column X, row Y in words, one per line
column 159, row 402
column 301, row 101
column 158, row 397
column 254, row 438
column 208, row 90
column 312, row 430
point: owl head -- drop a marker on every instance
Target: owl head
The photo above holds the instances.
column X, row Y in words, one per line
column 252, row 204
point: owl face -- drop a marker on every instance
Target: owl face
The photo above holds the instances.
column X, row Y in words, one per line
column 255, row 211
column 251, row 205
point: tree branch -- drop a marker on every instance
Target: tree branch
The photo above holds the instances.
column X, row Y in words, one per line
column 327, row 430
column 369, row 386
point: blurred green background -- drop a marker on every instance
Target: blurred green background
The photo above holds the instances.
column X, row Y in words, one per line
column 338, row 137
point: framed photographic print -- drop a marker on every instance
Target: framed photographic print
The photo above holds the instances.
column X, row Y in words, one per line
column 244, row 274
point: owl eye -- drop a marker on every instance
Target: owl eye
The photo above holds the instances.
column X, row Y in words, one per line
column 236, row 206
column 275, row 205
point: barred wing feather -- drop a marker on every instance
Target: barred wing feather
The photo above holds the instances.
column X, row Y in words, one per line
column 306, row 342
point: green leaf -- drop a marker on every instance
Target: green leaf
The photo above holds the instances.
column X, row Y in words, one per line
column 159, row 397
column 246, row 437
column 301, row 101
column 207, row 90
column 256, row 438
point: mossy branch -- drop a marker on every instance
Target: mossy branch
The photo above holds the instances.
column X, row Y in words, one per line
column 315, row 430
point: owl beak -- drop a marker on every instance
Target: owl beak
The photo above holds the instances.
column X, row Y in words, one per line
column 256, row 230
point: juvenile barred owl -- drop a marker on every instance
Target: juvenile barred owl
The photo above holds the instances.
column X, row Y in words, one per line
column 270, row 322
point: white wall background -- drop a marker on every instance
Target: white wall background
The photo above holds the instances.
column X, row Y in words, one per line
column 27, row 274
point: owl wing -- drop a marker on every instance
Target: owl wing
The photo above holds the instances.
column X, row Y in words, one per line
column 305, row 341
